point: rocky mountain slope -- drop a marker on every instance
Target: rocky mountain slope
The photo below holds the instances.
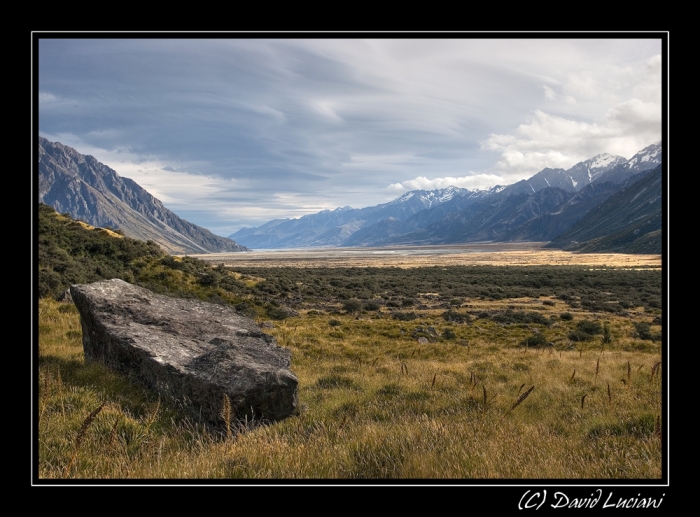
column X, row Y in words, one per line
column 88, row 190
column 630, row 220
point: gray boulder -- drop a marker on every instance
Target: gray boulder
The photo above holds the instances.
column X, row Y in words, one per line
column 191, row 352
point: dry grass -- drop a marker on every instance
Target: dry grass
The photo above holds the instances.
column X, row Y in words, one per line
column 373, row 404
column 495, row 254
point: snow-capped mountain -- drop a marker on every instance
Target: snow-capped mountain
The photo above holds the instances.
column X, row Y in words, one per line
column 572, row 180
column 541, row 207
column 333, row 227
column 646, row 159
column 584, row 173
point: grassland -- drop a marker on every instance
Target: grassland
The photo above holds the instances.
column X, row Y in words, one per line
column 386, row 396
column 428, row 367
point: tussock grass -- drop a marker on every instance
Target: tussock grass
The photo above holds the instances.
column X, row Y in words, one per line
column 375, row 404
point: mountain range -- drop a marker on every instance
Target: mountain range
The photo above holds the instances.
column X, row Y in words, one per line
column 88, row 190
column 553, row 205
column 606, row 203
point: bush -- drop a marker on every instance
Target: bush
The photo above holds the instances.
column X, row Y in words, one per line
column 535, row 340
column 449, row 334
column 566, row 316
column 404, row 316
column 643, row 329
column 352, row 306
column 335, row 323
column 589, row 327
column 371, row 306
column 577, row 335
column 455, row 316
column 276, row 313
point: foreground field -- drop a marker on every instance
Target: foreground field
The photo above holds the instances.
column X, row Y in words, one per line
column 534, row 387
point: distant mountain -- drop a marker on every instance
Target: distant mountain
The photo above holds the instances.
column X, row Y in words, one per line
column 489, row 219
column 92, row 192
column 334, row 227
column 629, row 221
column 540, row 208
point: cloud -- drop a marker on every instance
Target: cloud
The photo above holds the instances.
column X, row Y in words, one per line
column 232, row 122
column 547, row 140
column 479, row 181
column 549, row 93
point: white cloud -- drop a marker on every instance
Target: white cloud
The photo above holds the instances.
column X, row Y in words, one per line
column 422, row 183
column 547, row 140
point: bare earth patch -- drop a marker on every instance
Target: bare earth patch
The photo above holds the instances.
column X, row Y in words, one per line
column 496, row 254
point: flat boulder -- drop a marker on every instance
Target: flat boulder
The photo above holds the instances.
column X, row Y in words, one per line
column 194, row 353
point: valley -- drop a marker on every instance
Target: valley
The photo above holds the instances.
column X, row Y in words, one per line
column 494, row 254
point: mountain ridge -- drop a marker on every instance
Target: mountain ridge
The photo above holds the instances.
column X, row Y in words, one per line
column 539, row 208
column 91, row 191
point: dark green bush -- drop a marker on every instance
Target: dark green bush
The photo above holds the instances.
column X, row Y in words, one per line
column 404, row 316
column 352, row 306
column 566, row 316
column 643, row 331
column 536, row 340
column 456, row 316
column 371, row 306
column 577, row 335
column 589, row 327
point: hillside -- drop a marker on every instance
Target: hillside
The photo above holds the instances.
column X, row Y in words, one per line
column 629, row 221
column 88, row 190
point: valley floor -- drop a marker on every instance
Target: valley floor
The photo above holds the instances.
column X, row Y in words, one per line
column 497, row 254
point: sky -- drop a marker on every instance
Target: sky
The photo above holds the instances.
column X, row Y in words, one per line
column 234, row 132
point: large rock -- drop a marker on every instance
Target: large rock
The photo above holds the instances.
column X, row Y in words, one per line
column 192, row 352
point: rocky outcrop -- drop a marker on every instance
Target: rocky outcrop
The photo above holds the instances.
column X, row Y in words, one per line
column 191, row 352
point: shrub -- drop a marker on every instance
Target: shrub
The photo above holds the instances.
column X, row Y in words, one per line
column 276, row 313
column 643, row 329
column 535, row 340
column 589, row 327
column 352, row 306
column 449, row 334
column 335, row 323
column 577, row 335
column 404, row 316
column 371, row 306
column 566, row 316
column 456, row 316
column 209, row 280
